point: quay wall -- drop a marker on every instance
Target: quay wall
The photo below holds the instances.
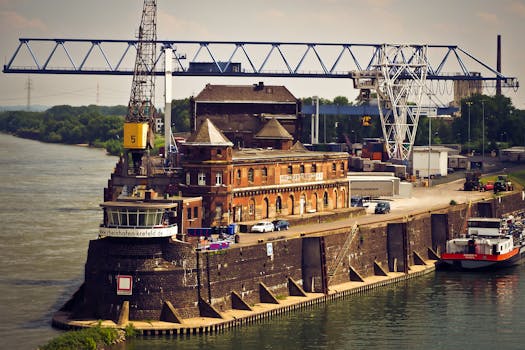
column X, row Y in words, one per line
column 167, row 271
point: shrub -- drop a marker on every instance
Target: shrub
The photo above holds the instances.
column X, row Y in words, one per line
column 84, row 339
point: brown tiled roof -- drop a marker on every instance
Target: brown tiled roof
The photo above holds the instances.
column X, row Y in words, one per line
column 245, row 93
column 273, row 130
column 208, row 135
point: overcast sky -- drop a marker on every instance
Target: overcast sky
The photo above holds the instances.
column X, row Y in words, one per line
column 470, row 24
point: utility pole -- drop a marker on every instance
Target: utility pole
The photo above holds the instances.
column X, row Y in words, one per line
column 483, row 131
column 469, row 103
column 29, row 86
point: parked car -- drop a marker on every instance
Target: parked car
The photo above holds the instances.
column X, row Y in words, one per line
column 382, row 208
column 281, row 225
column 263, row 226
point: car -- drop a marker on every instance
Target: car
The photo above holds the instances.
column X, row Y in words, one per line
column 382, row 208
column 281, row 225
column 263, row 226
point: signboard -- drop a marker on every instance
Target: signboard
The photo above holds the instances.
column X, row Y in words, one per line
column 124, row 285
column 139, row 232
column 269, row 249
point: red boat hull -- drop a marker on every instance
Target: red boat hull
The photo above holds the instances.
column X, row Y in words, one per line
column 482, row 261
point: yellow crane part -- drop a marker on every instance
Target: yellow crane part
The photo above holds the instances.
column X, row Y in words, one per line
column 135, row 135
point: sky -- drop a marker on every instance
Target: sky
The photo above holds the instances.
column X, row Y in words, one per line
column 471, row 24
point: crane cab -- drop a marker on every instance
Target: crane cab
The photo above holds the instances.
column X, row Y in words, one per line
column 135, row 135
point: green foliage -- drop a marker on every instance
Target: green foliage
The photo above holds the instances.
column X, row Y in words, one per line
column 64, row 124
column 87, row 338
column 130, row 330
column 453, row 202
column 180, row 115
column 503, row 125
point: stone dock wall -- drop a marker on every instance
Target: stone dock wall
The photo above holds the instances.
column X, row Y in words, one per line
column 173, row 283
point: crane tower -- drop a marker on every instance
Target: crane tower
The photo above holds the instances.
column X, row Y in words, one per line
column 138, row 127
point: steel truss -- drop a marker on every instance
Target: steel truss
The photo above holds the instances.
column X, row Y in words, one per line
column 401, row 85
column 289, row 59
column 397, row 72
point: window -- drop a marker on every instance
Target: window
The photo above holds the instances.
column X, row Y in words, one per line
column 219, row 152
column 238, row 177
column 188, row 178
column 250, row 175
column 188, row 211
column 301, row 169
column 325, row 199
column 196, row 212
column 290, row 170
column 314, row 168
column 343, row 166
column 264, row 172
column 218, row 179
column 334, row 167
column 202, row 179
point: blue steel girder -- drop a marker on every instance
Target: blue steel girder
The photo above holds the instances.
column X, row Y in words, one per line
column 345, row 58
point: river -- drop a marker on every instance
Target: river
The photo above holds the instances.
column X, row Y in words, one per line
column 49, row 212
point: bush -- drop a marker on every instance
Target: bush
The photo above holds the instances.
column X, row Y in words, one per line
column 87, row 338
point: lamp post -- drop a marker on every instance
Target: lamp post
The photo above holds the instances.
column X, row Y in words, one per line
column 429, row 146
column 469, row 103
column 483, row 132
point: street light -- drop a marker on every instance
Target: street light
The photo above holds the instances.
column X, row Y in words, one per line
column 469, row 103
column 483, row 132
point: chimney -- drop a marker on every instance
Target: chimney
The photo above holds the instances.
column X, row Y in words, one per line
column 498, row 66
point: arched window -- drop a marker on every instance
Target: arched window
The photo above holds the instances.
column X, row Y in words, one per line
column 325, row 199
column 250, row 175
column 342, row 166
column 334, row 167
column 278, row 205
column 238, row 177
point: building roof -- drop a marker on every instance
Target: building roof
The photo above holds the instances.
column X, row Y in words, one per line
column 208, row 135
column 299, row 147
column 277, row 155
column 273, row 130
column 245, row 93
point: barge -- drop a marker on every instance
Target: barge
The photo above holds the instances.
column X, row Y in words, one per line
column 490, row 243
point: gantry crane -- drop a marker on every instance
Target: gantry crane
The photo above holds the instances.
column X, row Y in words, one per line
column 398, row 73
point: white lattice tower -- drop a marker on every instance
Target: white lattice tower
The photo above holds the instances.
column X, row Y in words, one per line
column 399, row 95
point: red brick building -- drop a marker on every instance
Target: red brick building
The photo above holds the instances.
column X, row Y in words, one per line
column 247, row 184
column 239, row 111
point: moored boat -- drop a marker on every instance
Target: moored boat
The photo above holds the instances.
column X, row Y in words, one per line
column 489, row 243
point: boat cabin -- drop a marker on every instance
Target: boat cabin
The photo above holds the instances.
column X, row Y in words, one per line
column 484, row 227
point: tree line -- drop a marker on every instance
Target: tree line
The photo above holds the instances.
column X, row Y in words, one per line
column 102, row 126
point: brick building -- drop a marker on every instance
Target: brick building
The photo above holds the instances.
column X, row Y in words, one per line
column 248, row 184
column 240, row 110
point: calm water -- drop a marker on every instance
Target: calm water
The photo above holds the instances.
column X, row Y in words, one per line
column 49, row 212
